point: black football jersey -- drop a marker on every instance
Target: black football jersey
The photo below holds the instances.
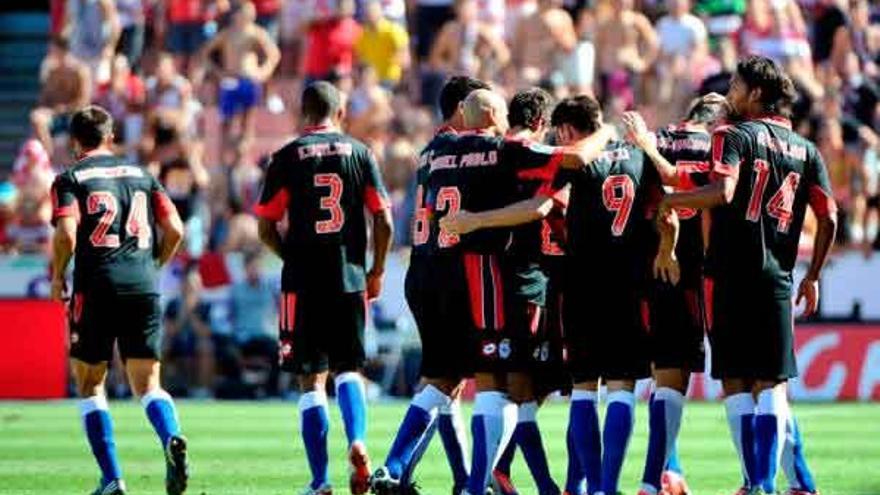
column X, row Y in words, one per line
column 323, row 180
column 609, row 220
column 688, row 151
column 477, row 172
column 777, row 174
column 117, row 206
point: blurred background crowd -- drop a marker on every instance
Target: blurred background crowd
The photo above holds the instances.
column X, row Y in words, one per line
column 202, row 90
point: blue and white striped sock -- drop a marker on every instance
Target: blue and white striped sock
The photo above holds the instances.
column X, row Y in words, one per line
column 352, row 401
column 619, row 421
column 492, row 427
column 665, row 411
column 98, row 426
column 450, row 424
column 315, row 424
column 741, row 418
column 162, row 414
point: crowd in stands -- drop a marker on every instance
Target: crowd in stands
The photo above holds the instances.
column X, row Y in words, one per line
column 202, row 90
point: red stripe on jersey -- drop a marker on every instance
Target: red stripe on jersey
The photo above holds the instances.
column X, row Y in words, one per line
column 77, row 307
column 291, row 311
column 282, row 312
column 163, row 206
column 71, row 210
column 498, row 294
column 685, row 182
column 723, row 170
column 375, row 201
column 561, row 198
column 275, row 208
column 645, row 311
column 544, row 173
column 534, row 318
column 708, row 295
column 821, row 203
column 474, row 274
column 718, row 167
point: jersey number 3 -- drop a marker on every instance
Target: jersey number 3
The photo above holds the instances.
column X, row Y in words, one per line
column 137, row 225
column 780, row 204
column 330, row 203
column 618, row 194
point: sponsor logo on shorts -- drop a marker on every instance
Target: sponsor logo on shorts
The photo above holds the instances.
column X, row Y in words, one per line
column 504, row 349
column 74, row 338
column 489, row 349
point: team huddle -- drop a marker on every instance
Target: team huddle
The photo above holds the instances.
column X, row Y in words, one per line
column 535, row 268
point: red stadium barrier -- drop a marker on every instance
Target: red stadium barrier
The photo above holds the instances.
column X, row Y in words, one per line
column 33, row 356
column 836, row 362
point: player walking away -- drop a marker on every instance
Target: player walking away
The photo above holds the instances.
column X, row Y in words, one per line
column 106, row 213
column 437, row 404
column 681, row 155
column 322, row 182
column 766, row 177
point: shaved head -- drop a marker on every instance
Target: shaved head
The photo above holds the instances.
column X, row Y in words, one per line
column 483, row 108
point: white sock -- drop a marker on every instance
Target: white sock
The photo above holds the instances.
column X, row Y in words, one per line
column 737, row 406
column 773, row 402
column 431, row 400
column 528, row 412
column 673, row 401
column 499, row 419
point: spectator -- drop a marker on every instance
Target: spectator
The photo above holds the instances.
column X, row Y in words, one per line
column 268, row 13
column 93, row 28
column 430, row 16
column 31, row 232
column 383, row 45
column 253, row 314
column 329, row 47
column 169, row 96
column 369, row 109
column 8, row 199
column 549, row 30
column 66, row 86
column 468, row 46
column 241, row 230
column 187, row 342
column 124, row 96
column 133, row 31
column 186, row 31
column 185, row 180
column 683, row 52
column 242, row 75
column 627, row 47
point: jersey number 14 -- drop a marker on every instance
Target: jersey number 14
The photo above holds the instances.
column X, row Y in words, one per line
column 780, row 204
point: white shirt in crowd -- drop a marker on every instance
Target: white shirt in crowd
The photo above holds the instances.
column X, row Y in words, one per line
column 679, row 36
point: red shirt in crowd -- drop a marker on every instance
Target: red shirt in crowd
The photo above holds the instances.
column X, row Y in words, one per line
column 180, row 11
column 267, row 7
column 331, row 46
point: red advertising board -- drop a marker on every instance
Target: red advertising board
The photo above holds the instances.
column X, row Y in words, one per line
column 33, row 356
column 836, row 362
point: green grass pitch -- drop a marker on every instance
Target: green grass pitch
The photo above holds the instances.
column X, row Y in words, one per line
column 254, row 448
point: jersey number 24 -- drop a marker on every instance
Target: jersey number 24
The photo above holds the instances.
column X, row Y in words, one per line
column 137, row 224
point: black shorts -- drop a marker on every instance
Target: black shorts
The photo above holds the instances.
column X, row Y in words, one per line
column 677, row 326
column 751, row 330
column 429, row 20
column 606, row 332
column 438, row 300
column 549, row 366
column 133, row 322
column 322, row 331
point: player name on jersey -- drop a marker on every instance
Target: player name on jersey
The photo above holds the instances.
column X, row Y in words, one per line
column 790, row 150
column 666, row 142
column 319, row 150
column 475, row 159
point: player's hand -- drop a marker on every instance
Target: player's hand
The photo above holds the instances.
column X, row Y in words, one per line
column 809, row 292
column 374, row 284
column 460, row 223
column 666, row 268
column 636, row 129
column 58, row 289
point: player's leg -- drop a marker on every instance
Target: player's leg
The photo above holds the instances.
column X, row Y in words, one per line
column 664, row 421
column 143, row 375
column 575, row 481
column 453, row 434
column 770, row 419
column 98, row 424
column 794, row 463
column 492, row 425
column 619, row 422
column 527, row 435
column 91, row 348
column 301, row 321
column 344, row 344
column 739, row 405
column 139, row 345
column 583, row 428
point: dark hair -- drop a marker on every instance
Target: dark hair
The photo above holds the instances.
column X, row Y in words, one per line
column 777, row 89
column 320, row 100
column 529, row 106
column 455, row 90
column 581, row 112
column 60, row 42
column 90, row 126
column 703, row 112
